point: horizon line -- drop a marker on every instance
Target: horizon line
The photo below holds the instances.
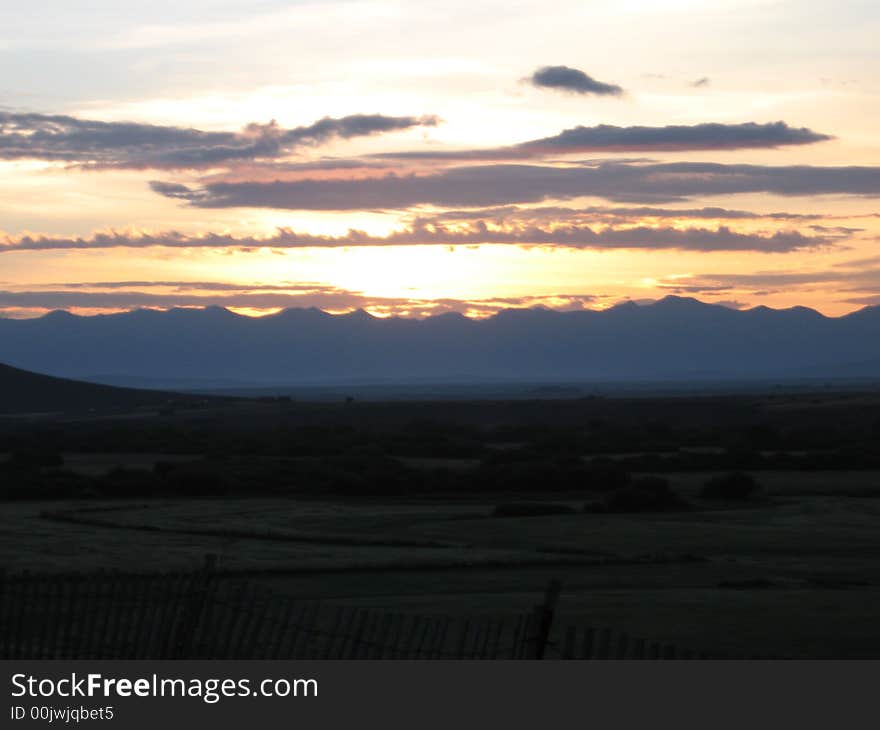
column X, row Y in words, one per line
column 364, row 311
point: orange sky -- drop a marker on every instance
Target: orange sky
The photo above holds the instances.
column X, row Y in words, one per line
column 129, row 175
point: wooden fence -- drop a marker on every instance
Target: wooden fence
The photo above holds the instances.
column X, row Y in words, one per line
column 204, row 616
column 200, row 616
column 585, row 642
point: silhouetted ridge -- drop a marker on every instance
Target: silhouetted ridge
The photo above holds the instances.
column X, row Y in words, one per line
column 22, row 391
column 673, row 338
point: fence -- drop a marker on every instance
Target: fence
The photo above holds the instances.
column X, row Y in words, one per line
column 199, row 616
column 592, row 643
column 204, row 616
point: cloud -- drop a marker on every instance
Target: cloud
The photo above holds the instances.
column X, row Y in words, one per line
column 130, row 145
column 872, row 300
column 119, row 296
column 610, row 138
column 837, row 230
column 701, row 82
column 852, row 276
column 188, row 286
column 619, row 214
column 173, row 190
column 504, row 184
column 123, row 300
column 427, row 234
column 870, row 261
column 322, row 167
column 707, row 136
column 572, row 81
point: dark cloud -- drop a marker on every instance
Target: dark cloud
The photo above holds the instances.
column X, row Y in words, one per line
column 146, row 146
column 769, row 280
column 858, row 277
column 709, row 136
column 477, row 233
column 493, row 185
column 211, row 286
column 618, row 214
column 871, row 300
column 610, row 138
column 259, row 297
column 572, row 81
column 836, row 230
column 115, row 300
column 173, row 190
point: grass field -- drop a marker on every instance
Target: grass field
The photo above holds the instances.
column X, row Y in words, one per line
column 797, row 574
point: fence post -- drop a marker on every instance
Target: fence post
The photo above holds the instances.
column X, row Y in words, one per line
column 197, row 593
column 542, row 621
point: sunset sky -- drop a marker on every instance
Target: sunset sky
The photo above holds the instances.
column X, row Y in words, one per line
column 418, row 157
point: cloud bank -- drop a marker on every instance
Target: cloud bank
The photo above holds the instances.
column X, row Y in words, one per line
column 504, row 184
column 610, row 138
column 130, row 145
column 617, row 214
column 858, row 276
column 427, row 234
column 115, row 296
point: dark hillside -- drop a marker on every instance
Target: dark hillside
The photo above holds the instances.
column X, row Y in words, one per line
column 22, row 391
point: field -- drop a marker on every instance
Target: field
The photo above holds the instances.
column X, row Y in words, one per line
column 797, row 574
column 392, row 505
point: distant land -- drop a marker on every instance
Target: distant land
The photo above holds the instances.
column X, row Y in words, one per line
column 672, row 340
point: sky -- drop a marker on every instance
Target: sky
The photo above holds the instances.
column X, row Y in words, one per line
column 412, row 158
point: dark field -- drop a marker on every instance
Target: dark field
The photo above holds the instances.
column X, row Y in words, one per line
column 453, row 508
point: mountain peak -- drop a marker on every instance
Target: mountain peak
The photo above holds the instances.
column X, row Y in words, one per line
column 797, row 311
column 298, row 313
column 447, row 317
column 623, row 306
column 59, row 315
column 358, row 315
column 519, row 313
column 211, row 312
column 673, row 300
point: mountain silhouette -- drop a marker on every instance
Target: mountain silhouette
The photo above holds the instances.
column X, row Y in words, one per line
column 672, row 339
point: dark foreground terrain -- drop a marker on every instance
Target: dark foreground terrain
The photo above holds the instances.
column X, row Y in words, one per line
column 739, row 524
column 25, row 392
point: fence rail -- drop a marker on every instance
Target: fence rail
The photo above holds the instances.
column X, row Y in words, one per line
column 203, row 616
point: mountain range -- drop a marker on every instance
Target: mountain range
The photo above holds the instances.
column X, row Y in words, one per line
column 674, row 338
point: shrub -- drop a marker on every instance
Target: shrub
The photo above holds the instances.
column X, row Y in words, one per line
column 647, row 494
column 735, row 486
column 521, row 471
